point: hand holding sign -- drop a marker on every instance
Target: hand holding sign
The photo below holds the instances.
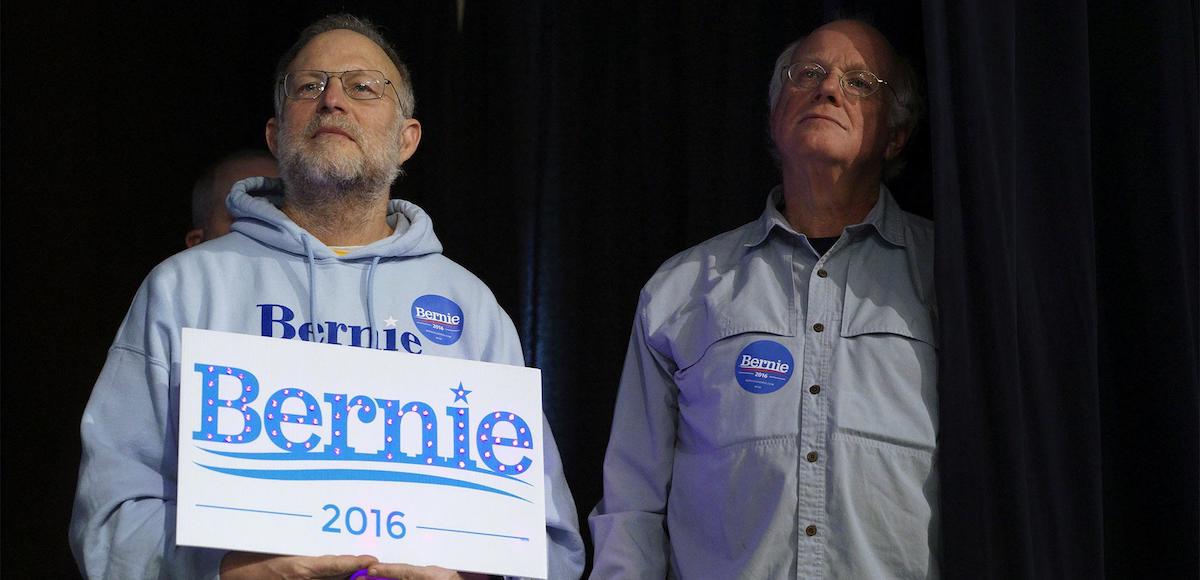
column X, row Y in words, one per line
column 406, row 572
column 247, row 566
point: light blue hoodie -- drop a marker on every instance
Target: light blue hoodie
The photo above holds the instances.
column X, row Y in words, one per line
column 268, row 278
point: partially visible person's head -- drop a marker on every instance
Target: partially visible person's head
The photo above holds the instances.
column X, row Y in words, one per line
column 337, row 141
column 862, row 129
column 210, row 217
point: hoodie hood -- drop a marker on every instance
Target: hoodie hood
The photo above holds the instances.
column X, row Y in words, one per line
column 252, row 202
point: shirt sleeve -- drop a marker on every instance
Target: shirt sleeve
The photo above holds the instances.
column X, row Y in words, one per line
column 123, row 521
column 563, row 541
column 629, row 524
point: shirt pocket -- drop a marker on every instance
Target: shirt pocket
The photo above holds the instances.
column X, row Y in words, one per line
column 731, row 512
column 884, row 375
column 889, row 497
column 716, row 408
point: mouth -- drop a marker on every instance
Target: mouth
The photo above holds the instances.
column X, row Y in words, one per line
column 818, row 117
column 332, row 131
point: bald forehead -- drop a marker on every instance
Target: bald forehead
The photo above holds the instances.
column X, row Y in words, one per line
column 339, row 50
column 847, row 45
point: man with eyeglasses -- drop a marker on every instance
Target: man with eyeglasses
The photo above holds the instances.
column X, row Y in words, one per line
column 336, row 262
column 777, row 413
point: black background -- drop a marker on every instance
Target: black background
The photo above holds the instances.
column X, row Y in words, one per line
column 571, row 147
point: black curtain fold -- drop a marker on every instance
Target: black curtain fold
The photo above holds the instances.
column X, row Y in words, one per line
column 1064, row 163
column 1146, row 122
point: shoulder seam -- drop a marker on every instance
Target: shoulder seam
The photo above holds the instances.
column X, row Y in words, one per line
column 141, row 353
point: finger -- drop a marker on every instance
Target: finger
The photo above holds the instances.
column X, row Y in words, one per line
column 338, row 566
column 393, row 571
column 407, row 572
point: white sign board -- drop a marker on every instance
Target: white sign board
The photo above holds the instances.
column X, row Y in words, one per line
column 291, row 447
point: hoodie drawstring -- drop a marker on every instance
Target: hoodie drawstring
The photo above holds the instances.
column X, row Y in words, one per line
column 312, row 280
column 371, row 301
column 312, row 290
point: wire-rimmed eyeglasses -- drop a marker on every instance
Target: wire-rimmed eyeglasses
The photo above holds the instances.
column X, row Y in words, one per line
column 363, row 85
column 858, row 83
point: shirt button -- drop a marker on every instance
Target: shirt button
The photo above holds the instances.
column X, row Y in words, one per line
column 814, row 389
column 812, row 457
column 811, row 530
column 819, row 327
column 822, row 273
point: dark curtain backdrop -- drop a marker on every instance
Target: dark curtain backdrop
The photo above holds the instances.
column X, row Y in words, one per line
column 571, row 147
column 1065, row 180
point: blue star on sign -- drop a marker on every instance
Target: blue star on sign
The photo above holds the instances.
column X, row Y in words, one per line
column 460, row 394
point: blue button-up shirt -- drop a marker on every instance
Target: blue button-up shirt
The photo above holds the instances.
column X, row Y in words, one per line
column 777, row 413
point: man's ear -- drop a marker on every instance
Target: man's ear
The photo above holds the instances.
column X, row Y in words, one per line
column 410, row 137
column 897, row 142
column 272, row 134
column 193, row 237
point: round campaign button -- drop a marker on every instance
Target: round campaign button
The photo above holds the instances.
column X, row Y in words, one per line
column 438, row 318
column 763, row 367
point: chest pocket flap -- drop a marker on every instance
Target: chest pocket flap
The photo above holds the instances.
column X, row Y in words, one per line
column 737, row 305
column 886, row 293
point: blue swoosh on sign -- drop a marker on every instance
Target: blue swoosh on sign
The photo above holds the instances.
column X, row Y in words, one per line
column 349, row 456
column 357, row 475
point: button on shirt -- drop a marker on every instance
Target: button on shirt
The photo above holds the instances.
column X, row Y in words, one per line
column 776, row 416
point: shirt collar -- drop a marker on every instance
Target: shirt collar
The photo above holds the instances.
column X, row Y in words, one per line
column 885, row 217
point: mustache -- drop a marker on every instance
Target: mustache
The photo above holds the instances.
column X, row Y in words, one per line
column 332, row 122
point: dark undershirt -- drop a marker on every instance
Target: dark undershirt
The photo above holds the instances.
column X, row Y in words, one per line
column 822, row 245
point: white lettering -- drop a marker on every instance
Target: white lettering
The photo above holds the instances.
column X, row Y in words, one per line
column 437, row 316
column 770, row 365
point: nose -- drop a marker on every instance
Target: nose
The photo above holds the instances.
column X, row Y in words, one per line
column 332, row 99
column 830, row 89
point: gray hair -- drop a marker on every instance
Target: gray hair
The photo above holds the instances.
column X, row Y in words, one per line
column 903, row 111
column 403, row 85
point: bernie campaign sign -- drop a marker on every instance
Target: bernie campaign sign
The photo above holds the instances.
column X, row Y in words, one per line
column 289, row 447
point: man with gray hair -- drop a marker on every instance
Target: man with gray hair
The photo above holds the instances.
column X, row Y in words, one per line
column 343, row 126
column 777, row 413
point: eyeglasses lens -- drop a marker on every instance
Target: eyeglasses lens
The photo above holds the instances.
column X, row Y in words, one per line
column 358, row 84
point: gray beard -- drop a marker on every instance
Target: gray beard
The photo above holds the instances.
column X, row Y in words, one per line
column 326, row 203
column 313, row 183
column 316, row 180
